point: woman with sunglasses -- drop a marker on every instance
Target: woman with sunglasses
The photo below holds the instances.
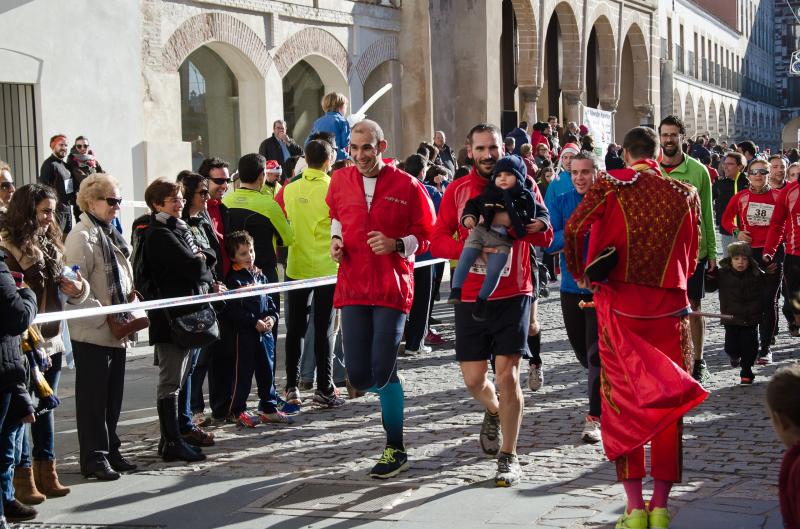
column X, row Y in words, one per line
column 7, row 189
column 32, row 243
column 81, row 163
column 748, row 216
column 103, row 257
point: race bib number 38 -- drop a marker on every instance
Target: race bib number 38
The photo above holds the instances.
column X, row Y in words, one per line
column 759, row 214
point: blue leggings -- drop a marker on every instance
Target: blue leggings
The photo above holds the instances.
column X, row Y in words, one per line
column 494, row 267
column 371, row 337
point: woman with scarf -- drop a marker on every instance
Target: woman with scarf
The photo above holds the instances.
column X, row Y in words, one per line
column 32, row 243
column 177, row 266
column 81, row 163
column 102, row 254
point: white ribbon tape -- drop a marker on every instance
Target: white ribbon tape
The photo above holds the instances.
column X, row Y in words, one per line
column 243, row 292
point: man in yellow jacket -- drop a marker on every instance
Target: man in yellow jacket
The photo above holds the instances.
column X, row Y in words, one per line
column 304, row 204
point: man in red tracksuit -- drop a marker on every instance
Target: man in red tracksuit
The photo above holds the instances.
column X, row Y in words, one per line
column 504, row 334
column 380, row 217
column 785, row 226
column 650, row 223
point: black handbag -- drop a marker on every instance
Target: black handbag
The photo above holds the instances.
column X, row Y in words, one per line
column 196, row 329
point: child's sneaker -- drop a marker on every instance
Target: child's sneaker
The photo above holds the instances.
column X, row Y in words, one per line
column 331, row 400
column 248, row 419
column 293, row 396
column 275, row 417
column 455, row 296
column 288, row 409
column 747, row 376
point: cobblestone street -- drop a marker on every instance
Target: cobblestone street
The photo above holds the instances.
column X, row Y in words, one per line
column 731, row 454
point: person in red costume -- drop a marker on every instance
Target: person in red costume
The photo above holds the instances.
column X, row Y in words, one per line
column 642, row 249
column 505, row 332
column 751, row 210
column 380, row 218
column 784, row 226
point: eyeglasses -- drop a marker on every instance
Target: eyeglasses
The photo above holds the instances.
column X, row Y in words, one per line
column 220, row 181
column 81, row 145
column 7, row 185
column 762, row 172
column 203, row 192
column 112, row 201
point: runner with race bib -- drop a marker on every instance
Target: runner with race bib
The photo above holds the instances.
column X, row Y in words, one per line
column 748, row 217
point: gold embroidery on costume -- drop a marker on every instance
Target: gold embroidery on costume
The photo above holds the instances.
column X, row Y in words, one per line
column 605, row 386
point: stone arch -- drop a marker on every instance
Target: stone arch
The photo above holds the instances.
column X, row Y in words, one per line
column 689, row 115
column 702, row 122
column 215, row 27
column 606, row 61
column 722, row 125
column 528, row 43
column 308, row 42
column 641, row 64
column 731, row 123
column 712, row 118
column 380, row 51
column 676, row 103
column 571, row 75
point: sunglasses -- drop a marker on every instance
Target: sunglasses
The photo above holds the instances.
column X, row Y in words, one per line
column 755, row 172
column 112, row 201
column 81, row 146
column 7, row 185
column 220, row 181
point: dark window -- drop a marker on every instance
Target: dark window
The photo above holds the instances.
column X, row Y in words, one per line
column 18, row 131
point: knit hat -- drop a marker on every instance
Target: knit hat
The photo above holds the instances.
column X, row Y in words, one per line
column 570, row 148
column 512, row 164
column 584, row 130
column 739, row 248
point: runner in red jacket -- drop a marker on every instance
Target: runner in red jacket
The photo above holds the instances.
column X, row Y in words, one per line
column 747, row 217
column 380, row 218
column 504, row 334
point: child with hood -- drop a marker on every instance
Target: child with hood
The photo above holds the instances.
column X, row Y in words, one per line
column 508, row 193
column 740, row 282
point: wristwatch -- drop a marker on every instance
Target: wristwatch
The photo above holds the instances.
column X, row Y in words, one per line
column 399, row 246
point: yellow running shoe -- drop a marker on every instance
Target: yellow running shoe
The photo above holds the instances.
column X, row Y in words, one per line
column 659, row 518
column 636, row 519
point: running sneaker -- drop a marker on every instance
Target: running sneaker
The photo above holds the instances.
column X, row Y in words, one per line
column 392, row 462
column 288, row 409
column 433, row 338
column 747, row 377
column 636, row 519
column 535, row 377
column 249, row 419
column 305, row 384
column 658, row 518
column 222, row 421
column 423, row 349
column 701, row 372
column 508, row 470
column 276, row 417
column 201, row 420
column 293, row 396
column 331, row 400
column 591, row 430
column 490, row 433
column 455, row 296
column 765, row 360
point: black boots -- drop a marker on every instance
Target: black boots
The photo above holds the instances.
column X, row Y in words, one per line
column 172, row 447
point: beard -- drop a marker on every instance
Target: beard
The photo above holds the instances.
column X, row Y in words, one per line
column 670, row 150
column 481, row 169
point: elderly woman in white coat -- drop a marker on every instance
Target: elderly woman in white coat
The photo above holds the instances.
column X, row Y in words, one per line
column 103, row 255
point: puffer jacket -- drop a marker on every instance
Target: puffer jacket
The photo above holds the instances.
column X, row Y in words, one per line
column 83, row 247
column 739, row 292
column 400, row 207
column 48, row 294
column 17, row 311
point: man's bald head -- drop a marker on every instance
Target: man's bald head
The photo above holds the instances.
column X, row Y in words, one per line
column 370, row 127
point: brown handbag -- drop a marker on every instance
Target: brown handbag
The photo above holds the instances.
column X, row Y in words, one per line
column 132, row 323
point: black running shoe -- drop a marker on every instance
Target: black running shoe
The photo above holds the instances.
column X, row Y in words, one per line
column 392, row 462
column 455, row 296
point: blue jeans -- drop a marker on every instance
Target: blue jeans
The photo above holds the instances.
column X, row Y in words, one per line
column 8, row 435
column 494, row 267
column 22, row 452
column 371, row 336
column 6, row 470
column 185, row 395
column 255, row 355
column 43, row 431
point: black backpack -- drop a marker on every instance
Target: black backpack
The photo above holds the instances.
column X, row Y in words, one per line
column 141, row 276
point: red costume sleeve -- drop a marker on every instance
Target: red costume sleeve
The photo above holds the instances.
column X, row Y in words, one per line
column 577, row 228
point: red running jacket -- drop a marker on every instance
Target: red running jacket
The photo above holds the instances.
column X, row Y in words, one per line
column 400, row 207
column 750, row 212
column 785, row 222
column 445, row 245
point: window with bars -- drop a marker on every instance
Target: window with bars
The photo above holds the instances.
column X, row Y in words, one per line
column 18, row 131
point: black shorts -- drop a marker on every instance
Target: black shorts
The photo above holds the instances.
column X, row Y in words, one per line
column 696, row 285
column 505, row 331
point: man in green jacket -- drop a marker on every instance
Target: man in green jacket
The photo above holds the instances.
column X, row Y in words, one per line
column 686, row 169
column 303, row 201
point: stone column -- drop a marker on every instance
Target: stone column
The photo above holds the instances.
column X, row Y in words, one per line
column 572, row 104
column 415, row 53
column 646, row 114
column 528, row 97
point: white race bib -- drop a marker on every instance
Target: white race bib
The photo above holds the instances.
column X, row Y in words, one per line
column 479, row 266
column 759, row 214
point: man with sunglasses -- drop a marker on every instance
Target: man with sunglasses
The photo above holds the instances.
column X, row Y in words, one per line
column 686, row 169
column 54, row 173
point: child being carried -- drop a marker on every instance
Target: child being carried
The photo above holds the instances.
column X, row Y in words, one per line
column 495, row 218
